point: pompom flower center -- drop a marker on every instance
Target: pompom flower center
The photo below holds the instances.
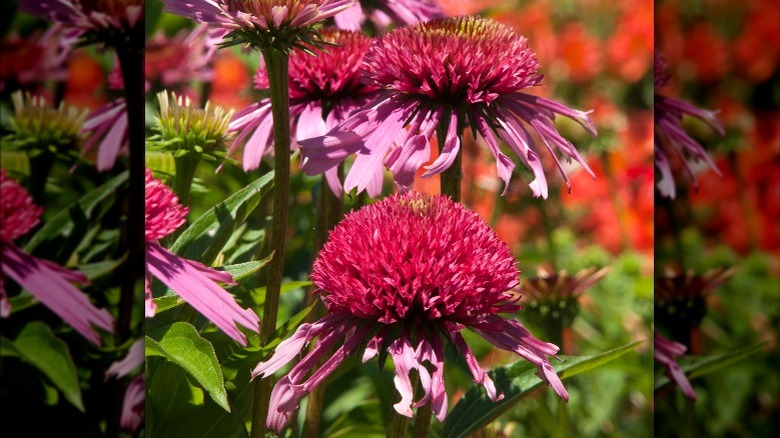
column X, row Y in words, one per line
column 415, row 259
column 163, row 212
column 18, row 213
column 456, row 61
column 329, row 74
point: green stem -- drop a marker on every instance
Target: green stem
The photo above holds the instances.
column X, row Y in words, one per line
column 422, row 421
column 185, row 173
column 451, row 177
column 129, row 275
column 40, row 167
column 277, row 66
column 396, row 426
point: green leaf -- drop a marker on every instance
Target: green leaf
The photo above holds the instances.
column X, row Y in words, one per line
column 168, row 299
column 258, row 295
column 696, row 366
column 475, row 410
column 181, row 344
column 62, row 222
column 99, row 269
column 178, row 408
column 38, row 346
column 204, row 239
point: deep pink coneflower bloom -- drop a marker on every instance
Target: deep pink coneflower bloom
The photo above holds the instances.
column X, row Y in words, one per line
column 193, row 281
column 47, row 281
column 171, row 62
column 398, row 275
column 324, row 90
column 461, row 71
column 670, row 137
column 260, row 15
column 133, row 403
column 384, row 13
column 665, row 352
column 88, row 15
column 34, row 59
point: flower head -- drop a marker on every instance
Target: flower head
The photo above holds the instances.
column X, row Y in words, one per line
column 387, row 12
column 452, row 72
column 671, row 138
column 680, row 298
column 324, row 90
column 47, row 281
column 102, row 20
column 665, row 352
column 187, row 129
column 41, row 129
column 171, row 62
column 555, row 295
column 396, row 276
column 282, row 24
column 34, row 59
column 18, row 214
column 193, row 281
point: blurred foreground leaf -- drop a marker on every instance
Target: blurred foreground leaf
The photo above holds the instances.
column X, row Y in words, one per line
column 181, row 344
column 38, row 346
column 475, row 410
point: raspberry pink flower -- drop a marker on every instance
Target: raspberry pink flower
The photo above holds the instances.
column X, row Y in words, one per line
column 387, row 12
column 452, row 72
column 671, row 138
column 324, row 90
column 193, row 281
column 47, row 281
column 665, row 352
column 399, row 276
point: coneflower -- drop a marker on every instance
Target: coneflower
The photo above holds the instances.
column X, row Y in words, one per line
column 446, row 74
column 398, row 276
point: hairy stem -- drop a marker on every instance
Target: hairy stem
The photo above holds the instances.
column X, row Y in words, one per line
column 277, row 65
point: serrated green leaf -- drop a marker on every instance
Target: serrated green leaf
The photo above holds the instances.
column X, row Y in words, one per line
column 697, row 366
column 62, row 222
column 475, row 410
column 180, row 343
column 38, row 346
column 203, row 239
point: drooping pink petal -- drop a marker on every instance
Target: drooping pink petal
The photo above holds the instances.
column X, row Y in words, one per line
column 51, row 286
column 133, row 360
column 133, row 405
column 195, row 286
column 480, row 376
column 665, row 352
